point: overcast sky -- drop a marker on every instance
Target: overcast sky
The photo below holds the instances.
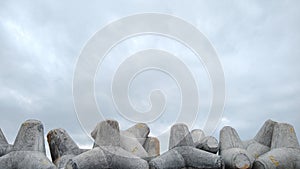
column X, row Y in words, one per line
column 257, row 43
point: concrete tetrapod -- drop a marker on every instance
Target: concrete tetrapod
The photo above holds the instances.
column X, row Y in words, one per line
column 62, row 147
column 261, row 143
column 232, row 150
column 131, row 144
column 28, row 150
column 182, row 153
column 285, row 150
column 140, row 131
column 107, row 152
column 206, row 143
column 4, row 146
column 152, row 147
column 180, row 136
column 209, row 144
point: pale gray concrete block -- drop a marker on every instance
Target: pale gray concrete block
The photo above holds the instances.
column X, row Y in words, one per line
column 265, row 134
column 255, row 149
column 106, row 133
column 279, row 158
column 2, row 138
column 92, row 159
column 197, row 135
column 196, row 158
column 30, row 137
column 152, row 146
column 140, row 131
column 122, row 159
column 229, row 138
column 284, row 136
column 130, row 143
column 186, row 157
column 285, row 151
column 237, row 158
column 180, row 136
column 25, row 160
column 107, row 157
column 232, row 150
column 61, row 143
column 209, row 144
column 170, row 159
column 63, row 160
column 261, row 143
column 28, row 151
column 4, row 146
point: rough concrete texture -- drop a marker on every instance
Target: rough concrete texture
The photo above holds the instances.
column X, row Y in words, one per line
column 152, row 146
column 261, row 143
column 4, row 146
column 265, row 134
column 28, row 150
column 180, row 136
column 62, row 147
column 284, row 136
column 279, row 158
column 130, row 143
column 275, row 146
column 30, row 137
column 232, row 150
column 106, row 133
column 197, row 135
column 140, row 131
column 186, row 156
column 285, row 150
column 183, row 154
column 206, row 143
column 108, row 151
column 209, row 144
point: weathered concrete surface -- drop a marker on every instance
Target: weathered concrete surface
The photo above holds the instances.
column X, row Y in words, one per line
column 131, row 144
column 209, row 144
column 106, row 133
column 124, row 159
column 25, row 160
column 3, row 140
column 279, row 158
column 169, row 159
column 232, row 150
column 92, row 159
column 255, row 149
column 200, row 159
column 284, row 136
column 229, row 138
column 30, row 137
column 152, row 146
column 261, row 143
column 274, row 147
column 140, row 131
column 62, row 147
column 237, row 158
column 180, row 136
column 285, row 150
column 187, row 156
column 28, row 151
column 4, row 146
column 108, row 151
column 265, row 134
column 182, row 153
column 197, row 135
column 106, row 157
